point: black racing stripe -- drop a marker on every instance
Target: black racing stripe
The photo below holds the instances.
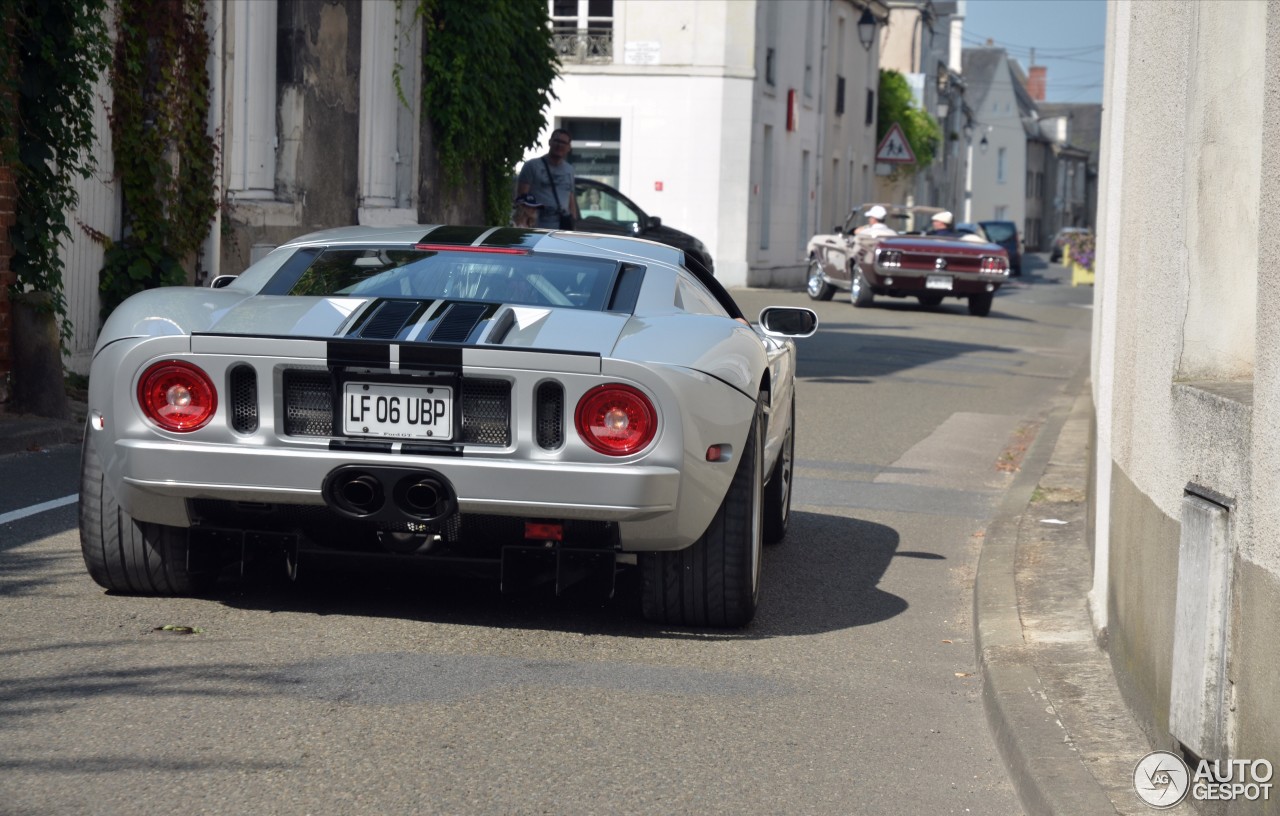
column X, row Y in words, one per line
column 461, row 236
column 514, row 237
column 373, row 353
column 421, row 356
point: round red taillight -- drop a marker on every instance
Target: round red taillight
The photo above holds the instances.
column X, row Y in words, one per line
column 177, row 396
column 616, row 419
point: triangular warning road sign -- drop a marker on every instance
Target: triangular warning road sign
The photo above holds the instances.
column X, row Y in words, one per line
column 894, row 147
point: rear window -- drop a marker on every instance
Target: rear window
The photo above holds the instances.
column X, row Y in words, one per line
column 998, row 231
column 400, row 272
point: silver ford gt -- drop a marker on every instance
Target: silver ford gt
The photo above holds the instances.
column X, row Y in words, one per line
column 483, row 396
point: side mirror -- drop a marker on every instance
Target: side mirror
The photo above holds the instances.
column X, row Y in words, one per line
column 653, row 223
column 221, row 281
column 788, row 321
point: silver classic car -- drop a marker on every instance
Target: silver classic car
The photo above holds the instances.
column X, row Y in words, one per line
column 492, row 396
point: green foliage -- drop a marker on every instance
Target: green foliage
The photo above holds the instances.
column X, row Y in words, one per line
column 50, row 60
column 898, row 105
column 165, row 157
column 488, row 66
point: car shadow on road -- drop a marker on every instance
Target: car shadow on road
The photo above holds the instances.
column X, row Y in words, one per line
column 848, row 352
column 823, row 577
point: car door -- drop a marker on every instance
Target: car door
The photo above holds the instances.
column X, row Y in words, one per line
column 607, row 211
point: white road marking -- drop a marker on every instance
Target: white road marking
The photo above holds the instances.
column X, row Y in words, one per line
column 36, row 509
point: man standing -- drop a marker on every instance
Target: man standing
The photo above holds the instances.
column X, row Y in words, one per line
column 550, row 180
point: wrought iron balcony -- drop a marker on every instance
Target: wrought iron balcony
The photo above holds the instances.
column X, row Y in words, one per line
column 589, row 46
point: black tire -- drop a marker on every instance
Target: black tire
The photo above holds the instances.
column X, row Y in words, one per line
column 980, row 305
column 930, row 301
column 716, row 580
column 127, row 556
column 777, row 491
column 817, row 286
column 860, row 294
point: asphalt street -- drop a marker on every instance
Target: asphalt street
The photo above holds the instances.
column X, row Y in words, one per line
column 386, row 690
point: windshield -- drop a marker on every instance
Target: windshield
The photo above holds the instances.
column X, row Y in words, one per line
column 533, row 280
column 998, row 231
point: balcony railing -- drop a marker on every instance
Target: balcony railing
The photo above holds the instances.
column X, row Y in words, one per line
column 589, row 46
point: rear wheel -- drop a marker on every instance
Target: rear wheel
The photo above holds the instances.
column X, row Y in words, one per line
column 777, row 493
column 980, row 305
column 818, row 288
column 123, row 555
column 860, row 294
column 716, row 580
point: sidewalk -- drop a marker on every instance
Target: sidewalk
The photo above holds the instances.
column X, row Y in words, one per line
column 1067, row 739
column 24, row 432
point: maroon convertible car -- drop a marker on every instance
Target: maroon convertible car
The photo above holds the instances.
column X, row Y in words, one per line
column 910, row 264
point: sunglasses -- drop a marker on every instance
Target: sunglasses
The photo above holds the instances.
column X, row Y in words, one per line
column 560, row 141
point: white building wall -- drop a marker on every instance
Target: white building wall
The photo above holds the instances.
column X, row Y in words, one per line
column 847, row 138
column 674, row 134
column 1186, row 364
column 793, row 206
column 684, row 116
column 999, row 121
column 693, row 117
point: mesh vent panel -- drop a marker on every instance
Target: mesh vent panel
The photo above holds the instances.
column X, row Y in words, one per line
column 457, row 323
column 308, row 403
column 550, row 416
column 486, row 412
column 389, row 319
column 244, row 399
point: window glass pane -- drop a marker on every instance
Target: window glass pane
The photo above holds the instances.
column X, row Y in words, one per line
column 429, row 275
column 596, row 203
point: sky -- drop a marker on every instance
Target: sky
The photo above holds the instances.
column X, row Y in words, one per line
column 1068, row 37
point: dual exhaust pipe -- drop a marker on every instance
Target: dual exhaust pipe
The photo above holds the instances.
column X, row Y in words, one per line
column 390, row 494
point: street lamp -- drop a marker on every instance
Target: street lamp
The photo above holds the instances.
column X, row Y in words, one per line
column 982, row 145
column 866, row 29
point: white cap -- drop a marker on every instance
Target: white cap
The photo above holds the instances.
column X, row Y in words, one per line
column 876, row 212
column 943, row 217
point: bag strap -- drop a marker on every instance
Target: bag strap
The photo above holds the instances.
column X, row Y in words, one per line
column 551, row 180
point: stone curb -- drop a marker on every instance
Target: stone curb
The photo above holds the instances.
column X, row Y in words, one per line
column 1038, row 753
column 19, row 434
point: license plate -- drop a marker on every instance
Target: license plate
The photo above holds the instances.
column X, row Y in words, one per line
column 937, row 282
column 399, row 411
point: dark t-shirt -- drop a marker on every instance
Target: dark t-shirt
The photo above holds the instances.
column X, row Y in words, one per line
column 534, row 173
